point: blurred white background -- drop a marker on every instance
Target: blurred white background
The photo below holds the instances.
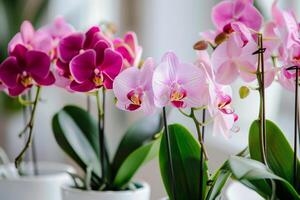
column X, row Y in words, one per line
column 161, row 25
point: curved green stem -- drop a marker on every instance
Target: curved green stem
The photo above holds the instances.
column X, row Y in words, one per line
column 29, row 126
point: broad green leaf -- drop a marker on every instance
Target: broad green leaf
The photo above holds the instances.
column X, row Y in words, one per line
column 279, row 152
column 220, row 178
column 249, row 171
column 137, row 135
column 134, row 161
column 75, row 132
column 185, row 152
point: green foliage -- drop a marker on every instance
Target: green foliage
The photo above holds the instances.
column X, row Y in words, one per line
column 76, row 132
column 185, row 152
column 279, row 156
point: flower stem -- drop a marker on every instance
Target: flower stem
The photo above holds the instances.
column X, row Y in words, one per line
column 101, row 129
column 169, row 151
column 261, row 117
column 296, row 129
column 29, row 126
column 200, row 138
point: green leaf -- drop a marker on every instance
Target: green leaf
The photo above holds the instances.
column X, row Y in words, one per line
column 76, row 133
column 221, row 176
column 250, row 171
column 134, row 161
column 136, row 136
column 279, row 152
column 219, row 180
column 185, row 152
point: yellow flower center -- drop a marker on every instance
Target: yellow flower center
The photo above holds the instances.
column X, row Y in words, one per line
column 177, row 96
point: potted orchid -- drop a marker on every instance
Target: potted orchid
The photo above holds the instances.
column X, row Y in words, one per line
column 269, row 165
column 23, row 74
column 94, row 63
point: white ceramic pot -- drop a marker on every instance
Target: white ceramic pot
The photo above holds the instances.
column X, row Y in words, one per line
column 142, row 193
column 45, row 186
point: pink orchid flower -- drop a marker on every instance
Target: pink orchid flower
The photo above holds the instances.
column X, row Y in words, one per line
column 133, row 88
column 24, row 68
column 231, row 59
column 218, row 98
column 241, row 11
column 287, row 26
column 33, row 40
column 57, row 30
column 287, row 78
column 178, row 84
column 95, row 68
column 71, row 46
column 129, row 49
column 220, row 109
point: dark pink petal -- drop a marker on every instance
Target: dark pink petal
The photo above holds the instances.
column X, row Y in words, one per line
column 16, row 91
column 112, row 63
column 9, row 71
column 37, row 63
column 100, row 48
column 89, row 36
column 82, row 66
column 82, row 87
column 63, row 66
column 48, row 80
column 131, row 39
column 19, row 52
column 127, row 53
column 108, row 82
column 70, row 46
column 132, row 107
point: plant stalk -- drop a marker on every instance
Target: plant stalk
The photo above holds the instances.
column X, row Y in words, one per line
column 201, row 156
column 296, row 130
column 30, row 126
column 101, row 128
column 167, row 135
column 261, row 81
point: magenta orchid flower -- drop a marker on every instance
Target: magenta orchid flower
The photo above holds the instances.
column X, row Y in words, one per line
column 133, row 88
column 129, row 49
column 178, row 84
column 242, row 11
column 24, row 68
column 94, row 68
column 33, row 40
column 71, row 46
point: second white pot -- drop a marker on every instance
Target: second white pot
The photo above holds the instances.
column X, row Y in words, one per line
column 45, row 186
column 142, row 193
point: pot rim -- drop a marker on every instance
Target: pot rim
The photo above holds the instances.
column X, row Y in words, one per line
column 144, row 187
column 54, row 170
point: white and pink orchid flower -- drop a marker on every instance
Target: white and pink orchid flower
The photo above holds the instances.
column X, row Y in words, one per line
column 133, row 88
column 178, row 84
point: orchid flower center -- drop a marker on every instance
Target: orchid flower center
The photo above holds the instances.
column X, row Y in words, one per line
column 25, row 79
column 98, row 78
column 223, row 104
column 177, row 96
column 135, row 97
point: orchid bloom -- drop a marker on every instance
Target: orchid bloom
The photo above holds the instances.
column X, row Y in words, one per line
column 220, row 109
column 24, row 68
column 218, row 98
column 71, row 46
column 243, row 11
column 178, row 84
column 57, row 30
column 133, row 88
column 129, row 49
column 33, row 40
column 230, row 59
column 94, row 68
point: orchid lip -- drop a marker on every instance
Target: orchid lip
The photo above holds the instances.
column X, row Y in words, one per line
column 135, row 97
